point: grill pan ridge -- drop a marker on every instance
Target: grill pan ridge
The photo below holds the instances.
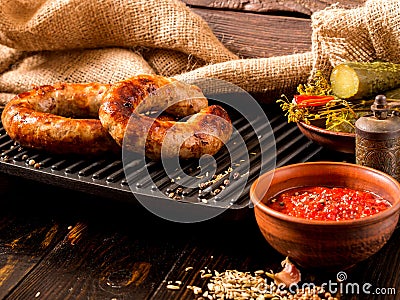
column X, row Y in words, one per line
column 106, row 176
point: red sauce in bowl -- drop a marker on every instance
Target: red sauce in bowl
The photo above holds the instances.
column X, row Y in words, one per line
column 328, row 204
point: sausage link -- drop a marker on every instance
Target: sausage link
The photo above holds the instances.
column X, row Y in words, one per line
column 60, row 118
column 205, row 131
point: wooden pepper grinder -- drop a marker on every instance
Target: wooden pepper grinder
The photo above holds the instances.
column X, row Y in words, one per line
column 378, row 138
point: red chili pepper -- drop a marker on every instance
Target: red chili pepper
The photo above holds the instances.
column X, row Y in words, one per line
column 312, row 100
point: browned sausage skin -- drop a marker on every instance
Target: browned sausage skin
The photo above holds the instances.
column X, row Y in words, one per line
column 46, row 118
column 202, row 133
column 121, row 112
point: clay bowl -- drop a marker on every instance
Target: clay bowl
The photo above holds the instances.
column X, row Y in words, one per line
column 328, row 245
column 338, row 141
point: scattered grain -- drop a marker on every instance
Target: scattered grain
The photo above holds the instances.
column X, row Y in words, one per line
column 237, row 285
column 173, row 287
column 215, row 192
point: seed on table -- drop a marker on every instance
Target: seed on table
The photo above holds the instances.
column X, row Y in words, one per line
column 216, row 191
column 202, row 185
column 173, row 287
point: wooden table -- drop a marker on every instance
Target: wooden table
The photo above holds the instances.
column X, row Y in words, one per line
column 57, row 243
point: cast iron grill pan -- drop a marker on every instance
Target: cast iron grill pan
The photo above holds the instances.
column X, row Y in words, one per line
column 105, row 176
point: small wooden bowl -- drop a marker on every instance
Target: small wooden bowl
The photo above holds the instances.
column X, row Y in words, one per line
column 338, row 141
column 331, row 245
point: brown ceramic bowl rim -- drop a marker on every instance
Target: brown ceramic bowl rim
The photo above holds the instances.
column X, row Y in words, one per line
column 356, row 222
column 325, row 131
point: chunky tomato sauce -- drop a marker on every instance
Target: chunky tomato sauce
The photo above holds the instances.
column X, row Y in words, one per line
column 328, row 204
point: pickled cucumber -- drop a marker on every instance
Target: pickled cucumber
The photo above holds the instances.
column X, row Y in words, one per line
column 360, row 80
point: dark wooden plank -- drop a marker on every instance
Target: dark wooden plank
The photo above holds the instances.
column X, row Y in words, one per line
column 108, row 250
column 26, row 236
column 256, row 35
column 242, row 248
column 273, row 6
column 23, row 245
column 382, row 271
column 220, row 246
column 101, row 264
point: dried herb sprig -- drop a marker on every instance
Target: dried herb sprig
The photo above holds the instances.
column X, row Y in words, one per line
column 318, row 85
column 339, row 114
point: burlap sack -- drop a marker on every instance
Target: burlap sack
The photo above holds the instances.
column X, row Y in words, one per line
column 42, row 42
column 37, row 25
column 9, row 56
column 366, row 33
column 5, row 97
column 169, row 62
column 271, row 76
column 93, row 65
column 70, row 40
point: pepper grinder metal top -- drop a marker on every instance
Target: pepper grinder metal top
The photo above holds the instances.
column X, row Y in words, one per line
column 378, row 138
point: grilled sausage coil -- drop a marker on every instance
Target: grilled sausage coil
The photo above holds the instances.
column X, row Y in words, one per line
column 205, row 131
column 60, row 118
column 94, row 118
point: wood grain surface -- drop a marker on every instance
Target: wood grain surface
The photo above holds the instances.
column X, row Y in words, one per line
column 306, row 7
column 254, row 35
column 90, row 248
column 263, row 28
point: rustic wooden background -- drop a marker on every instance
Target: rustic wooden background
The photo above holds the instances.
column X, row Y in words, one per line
column 263, row 28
